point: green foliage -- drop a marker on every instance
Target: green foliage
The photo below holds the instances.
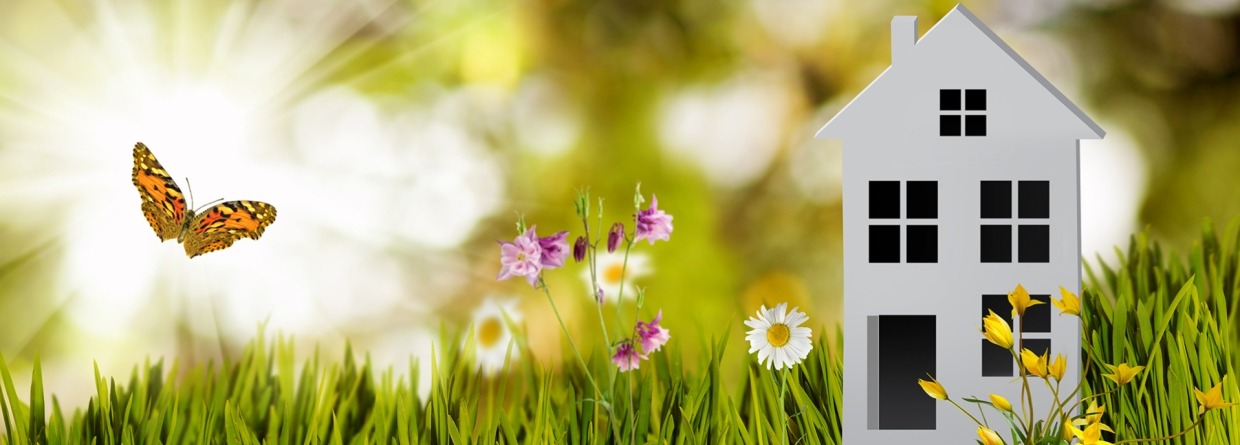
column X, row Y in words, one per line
column 261, row 399
column 1176, row 319
column 1150, row 309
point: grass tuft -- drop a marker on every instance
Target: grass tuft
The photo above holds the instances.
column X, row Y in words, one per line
column 1173, row 315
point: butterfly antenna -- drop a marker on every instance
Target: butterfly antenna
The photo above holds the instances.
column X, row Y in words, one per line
column 190, row 187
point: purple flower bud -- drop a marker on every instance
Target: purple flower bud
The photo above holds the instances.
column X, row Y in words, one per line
column 614, row 236
column 579, row 249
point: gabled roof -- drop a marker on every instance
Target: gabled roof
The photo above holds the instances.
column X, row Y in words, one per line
column 958, row 24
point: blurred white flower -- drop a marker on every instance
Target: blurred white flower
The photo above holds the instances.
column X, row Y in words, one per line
column 610, row 270
column 493, row 335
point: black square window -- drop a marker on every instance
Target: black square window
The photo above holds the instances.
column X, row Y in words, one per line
column 1039, row 346
column 975, row 100
column 1035, row 199
column 1034, row 244
column 949, row 100
column 998, row 303
column 996, row 244
column 975, row 125
column 996, row 361
column 884, row 244
column 885, row 199
column 1038, row 318
column 996, row 199
column 923, row 244
column 922, row 199
column 949, row 125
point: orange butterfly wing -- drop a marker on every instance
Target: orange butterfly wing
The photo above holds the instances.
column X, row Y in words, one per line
column 162, row 201
column 221, row 225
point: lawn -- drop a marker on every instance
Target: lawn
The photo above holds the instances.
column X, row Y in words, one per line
column 1172, row 313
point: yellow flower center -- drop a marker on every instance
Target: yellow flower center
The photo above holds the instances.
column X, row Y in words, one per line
column 778, row 335
column 489, row 332
column 613, row 273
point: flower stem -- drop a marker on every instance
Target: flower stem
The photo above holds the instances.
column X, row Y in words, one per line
column 783, row 412
column 953, row 402
column 624, row 271
column 1181, row 433
column 543, row 284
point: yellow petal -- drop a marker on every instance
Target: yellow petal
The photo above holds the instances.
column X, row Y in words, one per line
column 1033, row 363
column 1057, row 368
column 1001, row 403
column 997, row 330
column 1212, row 399
column 933, row 388
column 1068, row 304
column 988, row 436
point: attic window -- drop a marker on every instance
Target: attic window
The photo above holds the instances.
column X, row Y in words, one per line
column 962, row 112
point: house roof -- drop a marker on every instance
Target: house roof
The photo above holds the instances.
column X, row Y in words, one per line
column 964, row 35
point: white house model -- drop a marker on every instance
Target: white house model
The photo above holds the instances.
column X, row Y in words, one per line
column 961, row 180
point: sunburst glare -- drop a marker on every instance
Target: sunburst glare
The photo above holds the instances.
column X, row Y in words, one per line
column 232, row 99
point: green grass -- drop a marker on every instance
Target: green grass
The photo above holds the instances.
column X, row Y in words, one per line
column 1176, row 316
column 1173, row 314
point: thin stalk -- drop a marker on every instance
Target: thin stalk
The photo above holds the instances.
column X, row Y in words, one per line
column 953, row 402
column 543, row 285
column 783, row 412
column 1181, row 433
column 624, row 272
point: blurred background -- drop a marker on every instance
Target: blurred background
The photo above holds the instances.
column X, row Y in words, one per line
column 400, row 139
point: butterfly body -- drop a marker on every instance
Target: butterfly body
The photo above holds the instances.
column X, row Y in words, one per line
column 216, row 228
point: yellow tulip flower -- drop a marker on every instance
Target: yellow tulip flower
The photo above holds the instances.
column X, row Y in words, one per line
column 1034, row 364
column 1094, row 413
column 1211, row 399
column 997, row 330
column 1001, row 403
column 1092, row 435
column 989, row 436
column 1069, row 304
column 1123, row 373
column 933, row 388
column 1020, row 300
column 1057, row 368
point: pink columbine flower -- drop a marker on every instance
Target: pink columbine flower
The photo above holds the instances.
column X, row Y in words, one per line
column 614, row 236
column 652, row 335
column 653, row 224
column 554, row 250
column 626, row 357
column 522, row 257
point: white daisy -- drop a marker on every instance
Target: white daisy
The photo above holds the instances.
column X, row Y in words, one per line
column 492, row 333
column 611, row 268
column 775, row 336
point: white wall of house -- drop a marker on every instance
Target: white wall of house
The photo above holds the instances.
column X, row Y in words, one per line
column 892, row 132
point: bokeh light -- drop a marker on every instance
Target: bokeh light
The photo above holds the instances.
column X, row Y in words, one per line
column 400, row 140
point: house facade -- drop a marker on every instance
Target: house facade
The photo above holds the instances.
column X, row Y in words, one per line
column 961, row 180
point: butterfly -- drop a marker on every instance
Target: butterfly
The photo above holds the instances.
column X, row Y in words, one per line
column 216, row 228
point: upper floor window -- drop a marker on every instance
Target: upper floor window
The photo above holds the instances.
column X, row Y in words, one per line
column 1031, row 221
column 915, row 217
column 962, row 112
